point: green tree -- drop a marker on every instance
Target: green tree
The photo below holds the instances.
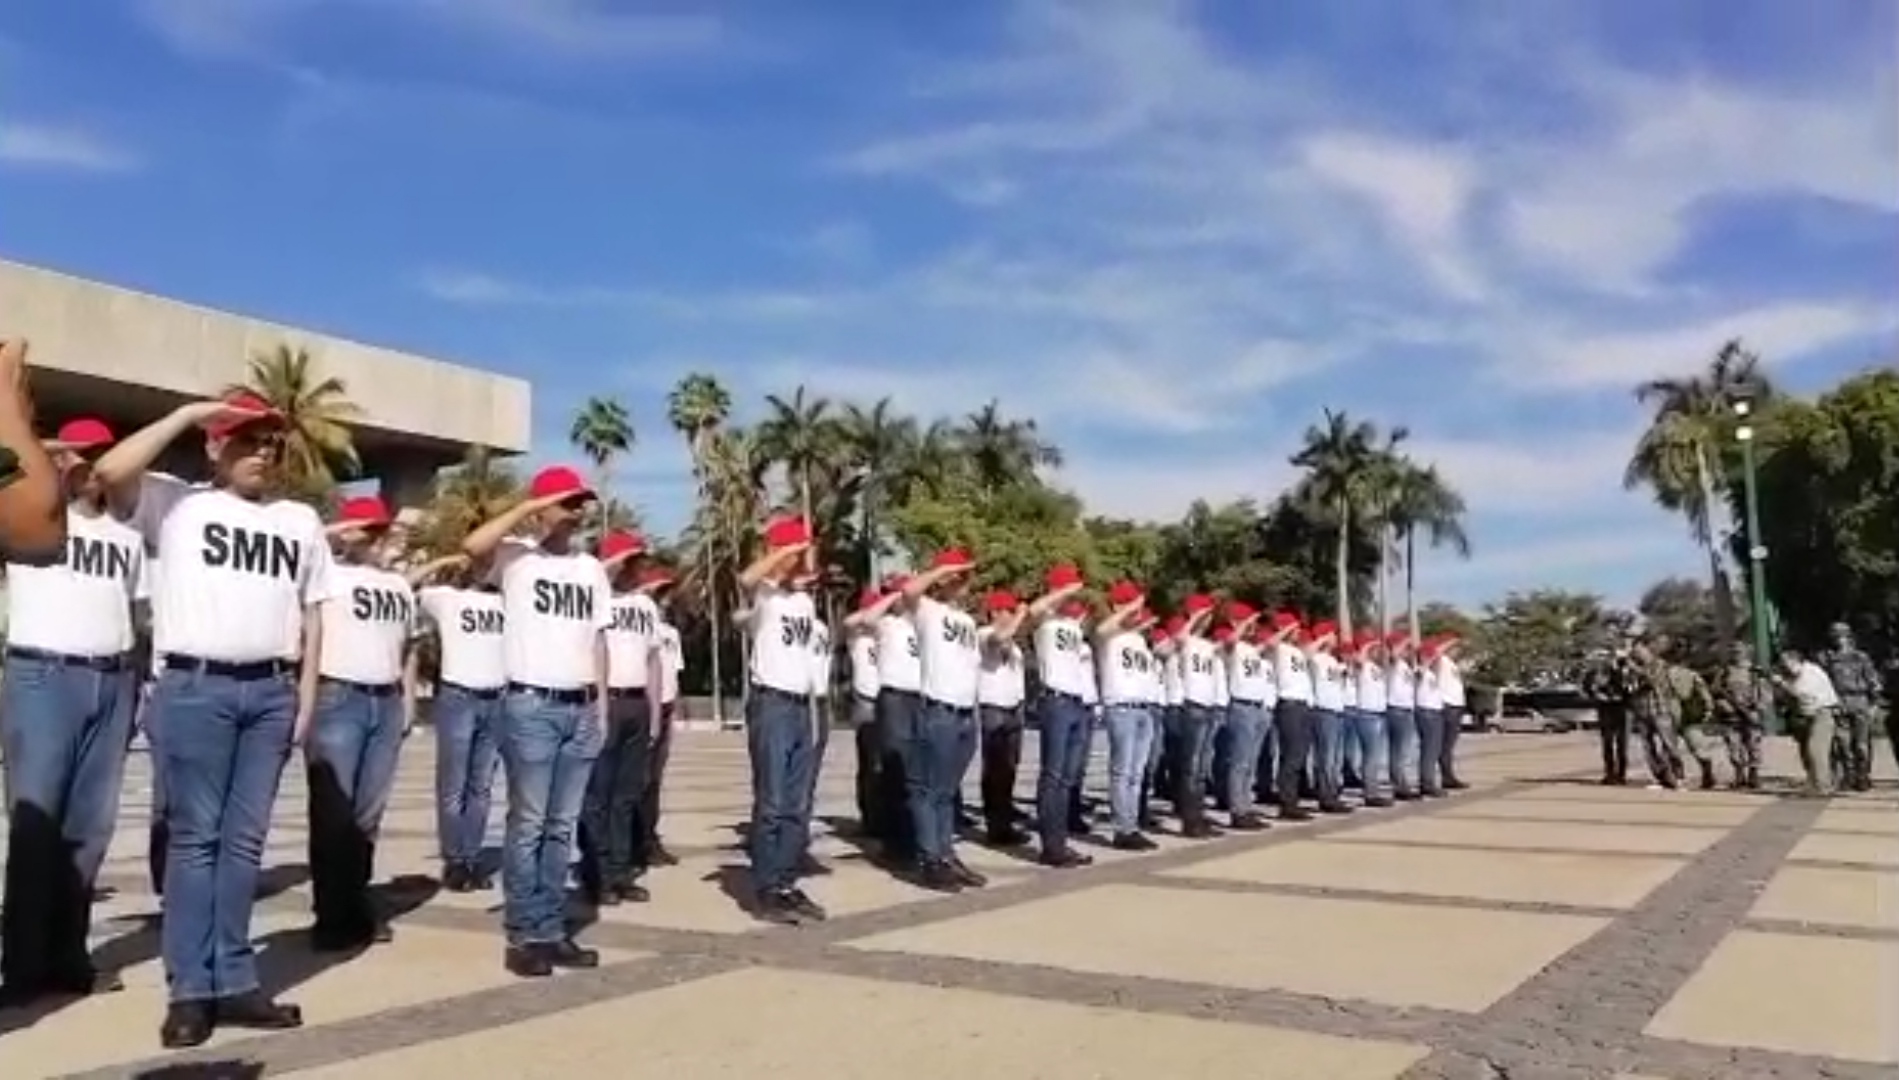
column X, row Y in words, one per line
column 465, row 496
column 319, row 449
column 1543, row 637
column 1342, row 463
column 602, row 430
column 1682, row 611
column 697, row 409
column 1421, row 500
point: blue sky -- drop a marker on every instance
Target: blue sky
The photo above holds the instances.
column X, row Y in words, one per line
column 1172, row 231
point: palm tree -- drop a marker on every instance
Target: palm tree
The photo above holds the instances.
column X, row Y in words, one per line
column 319, row 448
column 800, row 436
column 602, row 430
column 1682, row 456
column 465, row 496
column 874, row 443
column 1379, row 486
column 1423, row 500
column 1003, row 451
column 725, row 520
column 1339, row 457
column 697, row 408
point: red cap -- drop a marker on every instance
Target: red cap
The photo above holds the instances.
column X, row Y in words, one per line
column 1285, row 620
column 1000, row 600
column 952, row 559
column 1397, row 637
column 1174, row 625
column 1198, row 603
column 895, row 582
column 1142, row 618
column 1324, row 628
column 1073, row 609
column 1125, row 592
column 1157, row 635
column 655, row 577
column 85, row 433
column 869, row 598
column 1238, row 611
column 243, row 399
column 620, row 545
column 557, row 481
column 786, row 532
column 1223, row 633
column 1431, row 646
column 1063, row 576
column 367, row 510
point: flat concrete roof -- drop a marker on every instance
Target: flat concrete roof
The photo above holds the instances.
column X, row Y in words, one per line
column 158, row 350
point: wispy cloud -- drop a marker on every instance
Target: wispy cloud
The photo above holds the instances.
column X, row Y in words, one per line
column 53, row 146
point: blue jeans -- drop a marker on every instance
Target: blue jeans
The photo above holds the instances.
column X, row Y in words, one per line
column 350, row 760
column 549, row 747
column 1246, row 728
column 1365, row 750
column 1066, row 730
column 1131, row 739
column 467, row 753
column 1215, row 723
column 1401, row 737
column 944, row 744
column 1194, row 743
column 778, row 742
column 223, row 741
column 1163, row 723
column 1328, row 749
column 65, row 732
column 1430, row 749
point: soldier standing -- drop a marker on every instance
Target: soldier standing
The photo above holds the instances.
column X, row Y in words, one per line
column 1664, row 695
column 1740, row 696
column 1611, row 684
column 1856, row 681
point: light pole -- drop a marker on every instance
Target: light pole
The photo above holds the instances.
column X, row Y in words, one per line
column 1756, row 557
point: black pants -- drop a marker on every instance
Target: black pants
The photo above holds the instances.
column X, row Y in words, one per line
column 897, row 716
column 1001, row 761
column 867, row 736
column 1447, row 755
column 1294, row 722
column 48, row 908
column 1612, row 729
column 342, row 858
column 658, row 755
column 1266, row 778
column 612, row 826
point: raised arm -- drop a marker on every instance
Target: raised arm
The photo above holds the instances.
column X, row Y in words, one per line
column 868, row 616
column 428, row 570
column 488, row 536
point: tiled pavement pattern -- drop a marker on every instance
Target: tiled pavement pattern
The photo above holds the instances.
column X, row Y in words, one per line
column 1537, row 926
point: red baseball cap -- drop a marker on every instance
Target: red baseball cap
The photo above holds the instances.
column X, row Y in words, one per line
column 1198, row 603
column 1285, row 620
column 85, row 433
column 368, row 511
column 869, row 598
column 656, row 577
column 952, row 559
column 1125, row 592
column 1223, row 633
column 1397, row 637
column 621, row 544
column 1175, row 624
column 1001, row 600
column 224, row 427
column 1238, row 611
column 558, row 481
column 895, row 582
column 1063, row 576
column 787, row 532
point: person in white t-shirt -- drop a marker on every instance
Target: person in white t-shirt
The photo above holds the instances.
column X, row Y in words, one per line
column 1292, row 717
column 1213, row 755
column 1428, row 710
column 463, row 609
column 1450, row 686
column 240, row 574
column 366, row 678
column 1001, row 688
column 860, row 634
column 1249, row 690
column 779, row 713
column 556, row 606
column 946, row 728
column 1401, row 724
column 1126, row 668
column 893, row 644
column 1167, row 651
column 823, row 717
column 1199, row 691
column 65, row 719
column 657, row 582
column 1365, row 745
column 1164, row 685
column 1064, row 724
column 612, row 836
column 1328, row 717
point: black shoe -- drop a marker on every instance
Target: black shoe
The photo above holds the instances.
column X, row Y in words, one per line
column 567, row 953
column 187, row 1024
column 1454, row 784
column 1064, row 859
column 774, row 906
column 256, row 1012
column 1132, row 841
column 1294, row 813
column 1334, row 808
column 1405, row 795
column 631, row 892
column 527, row 962
column 807, row 909
column 657, row 855
column 457, row 878
column 963, row 873
column 1201, row 830
column 325, row 938
column 1249, row 822
column 1378, row 802
column 938, row 876
column 382, row 934
column 1609, row 781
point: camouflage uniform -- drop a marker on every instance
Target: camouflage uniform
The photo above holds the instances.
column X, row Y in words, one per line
column 1856, row 681
column 1740, row 694
column 1668, row 698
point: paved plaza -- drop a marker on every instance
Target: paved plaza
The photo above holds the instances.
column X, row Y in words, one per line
column 1535, row 926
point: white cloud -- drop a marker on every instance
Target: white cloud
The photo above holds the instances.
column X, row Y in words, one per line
column 1544, row 472
column 47, row 146
column 1422, row 192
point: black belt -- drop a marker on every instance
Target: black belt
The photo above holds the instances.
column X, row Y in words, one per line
column 368, row 689
column 1247, row 703
column 959, row 710
column 899, row 691
column 108, row 664
column 773, row 691
column 1076, row 698
column 626, row 693
column 489, row 694
column 240, row 671
column 579, row 695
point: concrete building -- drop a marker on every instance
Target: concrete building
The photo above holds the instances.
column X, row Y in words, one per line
column 128, row 358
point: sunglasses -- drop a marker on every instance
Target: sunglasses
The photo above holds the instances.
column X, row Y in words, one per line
column 265, row 441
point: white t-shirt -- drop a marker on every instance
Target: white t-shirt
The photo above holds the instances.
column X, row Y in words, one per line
column 783, row 623
column 1450, row 682
column 631, row 640
column 1173, row 683
column 1222, row 677
column 899, row 659
column 1000, row 684
column 1401, row 690
column 864, row 678
column 367, row 625
column 1247, row 678
column 1090, row 683
column 1814, row 688
column 1127, row 669
column 1292, row 674
column 1154, row 692
column 468, row 623
column 1371, row 686
column 555, row 607
column 82, row 605
column 1430, row 695
column 823, row 658
column 672, row 663
column 951, row 661
column 1059, row 659
column 1328, row 682
column 1199, row 673
column 233, row 578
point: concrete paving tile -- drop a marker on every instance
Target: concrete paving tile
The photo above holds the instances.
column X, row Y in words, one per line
column 1530, row 877
column 1395, row 954
column 1592, row 793
column 1865, row 849
column 1860, row 818
column 1795, row 994
column 1553, row 835
column 1645, row 812
column 1867, row 898
column 837, row 1028
column 422, row 965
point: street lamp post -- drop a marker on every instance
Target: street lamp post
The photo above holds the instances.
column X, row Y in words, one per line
column 1756, row 557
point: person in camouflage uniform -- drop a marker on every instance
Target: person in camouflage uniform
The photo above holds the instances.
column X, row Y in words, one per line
column 1856, row 681
column 1740, row 691
column 1669, row 698
column 1611, row 683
